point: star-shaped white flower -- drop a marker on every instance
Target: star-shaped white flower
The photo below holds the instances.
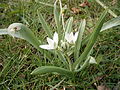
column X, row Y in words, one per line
column 52, row 44
column 71, row 38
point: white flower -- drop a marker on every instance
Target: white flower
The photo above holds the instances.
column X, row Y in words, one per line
column 71, row 38
column 92, row 60
column 52, row 44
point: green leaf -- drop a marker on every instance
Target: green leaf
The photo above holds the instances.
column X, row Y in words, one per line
column 57, row 16
column 92, row 40
column 62, row 57
column 68, row 27
column 111, row 23
column 107, row 25
column 79, row 39
column 3, row 31
column 85, row 64
column 45, row 26
column 49, row 69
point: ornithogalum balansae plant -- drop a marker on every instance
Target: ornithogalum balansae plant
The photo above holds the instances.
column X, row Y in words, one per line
column 63, row 42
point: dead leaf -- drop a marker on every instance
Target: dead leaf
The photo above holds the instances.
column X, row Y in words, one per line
column 102, row 87
column 114, row 2
column 84, row 4
column 68, row 88
column 75, row 10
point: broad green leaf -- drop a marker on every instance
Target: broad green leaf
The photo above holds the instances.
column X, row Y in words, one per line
column 29, row 36
column 25, row 33
column 68, row 27
column 107, row 25
column 92, row 40
column 79, row 39
column 111, row 23
column 3, row 31
column 45, row 26
column 49, row 69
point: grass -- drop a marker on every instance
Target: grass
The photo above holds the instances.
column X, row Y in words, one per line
column 18, row 58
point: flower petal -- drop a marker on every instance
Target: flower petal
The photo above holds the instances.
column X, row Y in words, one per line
column 50, row 42
column 48, row 47
column 55, row 38
column 69, row 37
column 75, row 37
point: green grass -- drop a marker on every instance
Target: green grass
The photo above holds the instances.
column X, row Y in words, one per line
column 18, row 58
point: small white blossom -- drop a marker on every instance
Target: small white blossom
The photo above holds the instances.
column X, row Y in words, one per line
column 52, row 43
column 71, row 38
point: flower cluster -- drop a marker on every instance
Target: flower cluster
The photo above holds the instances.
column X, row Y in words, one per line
column 53, row 43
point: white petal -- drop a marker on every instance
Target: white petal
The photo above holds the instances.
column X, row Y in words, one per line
column 92, row 60
column 48, row 47
column 50, row 42
column 72, row 38
column 75, row 37
column 69, row 37
column 55, row 38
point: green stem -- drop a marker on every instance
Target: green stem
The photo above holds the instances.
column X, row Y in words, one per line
column 69, row 62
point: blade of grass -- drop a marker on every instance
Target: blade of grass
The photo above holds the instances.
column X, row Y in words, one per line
column 6, row 67
column 91, row 41
column 46, row 4
column 105, row 7
column 79, row 39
